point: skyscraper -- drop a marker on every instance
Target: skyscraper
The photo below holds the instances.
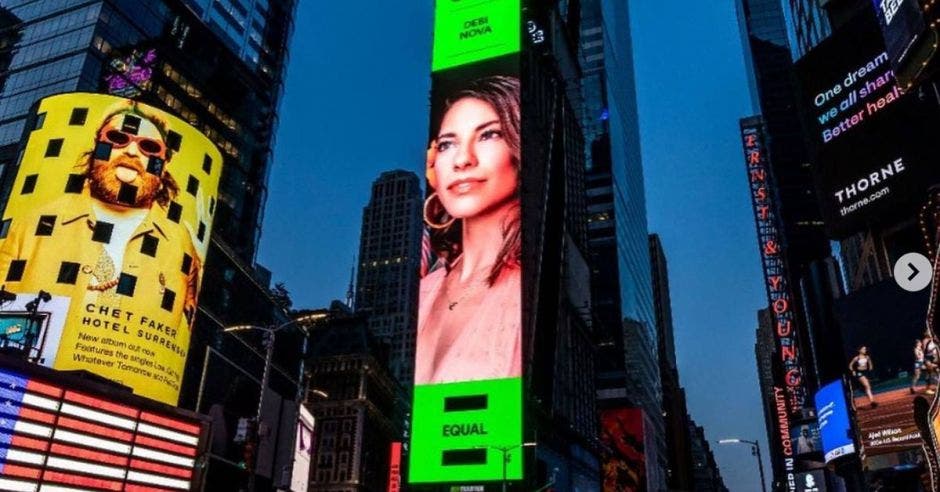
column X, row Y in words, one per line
column 675, row 411
column 389, row 262
column 764, row 32
column 215, row 85
column 807, row 25
column 621, row 284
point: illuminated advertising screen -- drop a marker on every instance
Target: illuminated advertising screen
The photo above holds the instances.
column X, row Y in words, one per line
column 871, row 166
column 814, row 481
column 129, row 75
column 467, row 418
column 835, row 429
column 58, row 437
column 624, row 466
column 303, row 451
column 890, row 365
column 902, row 23
column 805, row 439
column 105, row 234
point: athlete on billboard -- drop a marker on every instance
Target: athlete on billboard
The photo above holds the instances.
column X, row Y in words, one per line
column 469, row 317
column 919, row 366
column 112, row 239
column 861, row 366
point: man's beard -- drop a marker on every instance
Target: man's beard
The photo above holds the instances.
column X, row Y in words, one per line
column 105, row 186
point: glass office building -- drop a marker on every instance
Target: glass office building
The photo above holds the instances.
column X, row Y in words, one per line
column 228, row 88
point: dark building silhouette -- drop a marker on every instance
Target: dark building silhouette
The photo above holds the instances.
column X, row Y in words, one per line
column 679, row 469
column 706, row 472
column 621, row 283
column 364, row 409
column 389, row 261
column 557, row 321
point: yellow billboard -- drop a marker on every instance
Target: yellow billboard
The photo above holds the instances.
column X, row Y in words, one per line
column 110, row 214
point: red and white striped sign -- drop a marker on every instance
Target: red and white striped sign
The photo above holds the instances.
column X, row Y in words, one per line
column 59, row 440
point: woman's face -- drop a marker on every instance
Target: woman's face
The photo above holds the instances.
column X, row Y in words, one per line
column 474, row 165
column 863, row 350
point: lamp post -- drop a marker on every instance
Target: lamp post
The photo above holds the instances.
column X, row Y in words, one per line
column 269, row 335
column 755, row 450
column 505, row 451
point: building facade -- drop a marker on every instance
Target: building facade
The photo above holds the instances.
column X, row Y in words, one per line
column 707, row 475
column 678, row 467
column 363, row 411
column 52, row 47
column 621, row 284
column 389, row 262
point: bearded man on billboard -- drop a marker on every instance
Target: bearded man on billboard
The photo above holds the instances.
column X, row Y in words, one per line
column 113, row 242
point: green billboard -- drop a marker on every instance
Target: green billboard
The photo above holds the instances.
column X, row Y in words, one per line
column 467, row 414
column 467, row 31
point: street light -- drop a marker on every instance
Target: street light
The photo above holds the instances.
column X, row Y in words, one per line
column 505, row 450
column 269, row 334
column 755, row 450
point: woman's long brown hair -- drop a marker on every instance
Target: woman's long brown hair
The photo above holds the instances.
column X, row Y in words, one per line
column 503, row 94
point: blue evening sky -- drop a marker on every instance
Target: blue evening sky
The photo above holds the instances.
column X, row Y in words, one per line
column 356, row 104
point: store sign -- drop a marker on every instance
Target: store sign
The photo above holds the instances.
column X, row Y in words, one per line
column 774, row 266
column 467, row 418
column 105, row 234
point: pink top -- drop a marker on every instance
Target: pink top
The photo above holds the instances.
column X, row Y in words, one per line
column 489, row 347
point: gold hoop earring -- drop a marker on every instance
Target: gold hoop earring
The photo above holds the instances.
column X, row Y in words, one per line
column 428, row 221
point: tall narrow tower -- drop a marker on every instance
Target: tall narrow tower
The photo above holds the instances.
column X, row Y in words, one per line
column 389, row 259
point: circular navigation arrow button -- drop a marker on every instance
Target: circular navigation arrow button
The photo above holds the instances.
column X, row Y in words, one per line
column 913, row 272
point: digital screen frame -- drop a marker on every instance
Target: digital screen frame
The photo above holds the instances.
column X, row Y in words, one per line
column 110, row 216
column 467, row 412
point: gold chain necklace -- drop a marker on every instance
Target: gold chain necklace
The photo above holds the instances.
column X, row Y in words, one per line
column 463, row 297
column 467, row 291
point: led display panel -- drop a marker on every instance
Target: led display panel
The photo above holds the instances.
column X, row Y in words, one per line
column 471, row 31
column 891, row 365
column 56, row 437
column 624, row 461
column 835, row 431
column 104, row 237
column 871, row 165
column 467, row 417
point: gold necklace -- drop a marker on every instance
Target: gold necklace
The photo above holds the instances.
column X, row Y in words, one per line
column 467, row 291
column 463, row 297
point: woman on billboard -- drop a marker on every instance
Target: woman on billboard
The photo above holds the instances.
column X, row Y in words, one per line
column 469, row 316
column 861, row 366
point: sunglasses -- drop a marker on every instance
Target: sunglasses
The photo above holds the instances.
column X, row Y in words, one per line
column 147, row 146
